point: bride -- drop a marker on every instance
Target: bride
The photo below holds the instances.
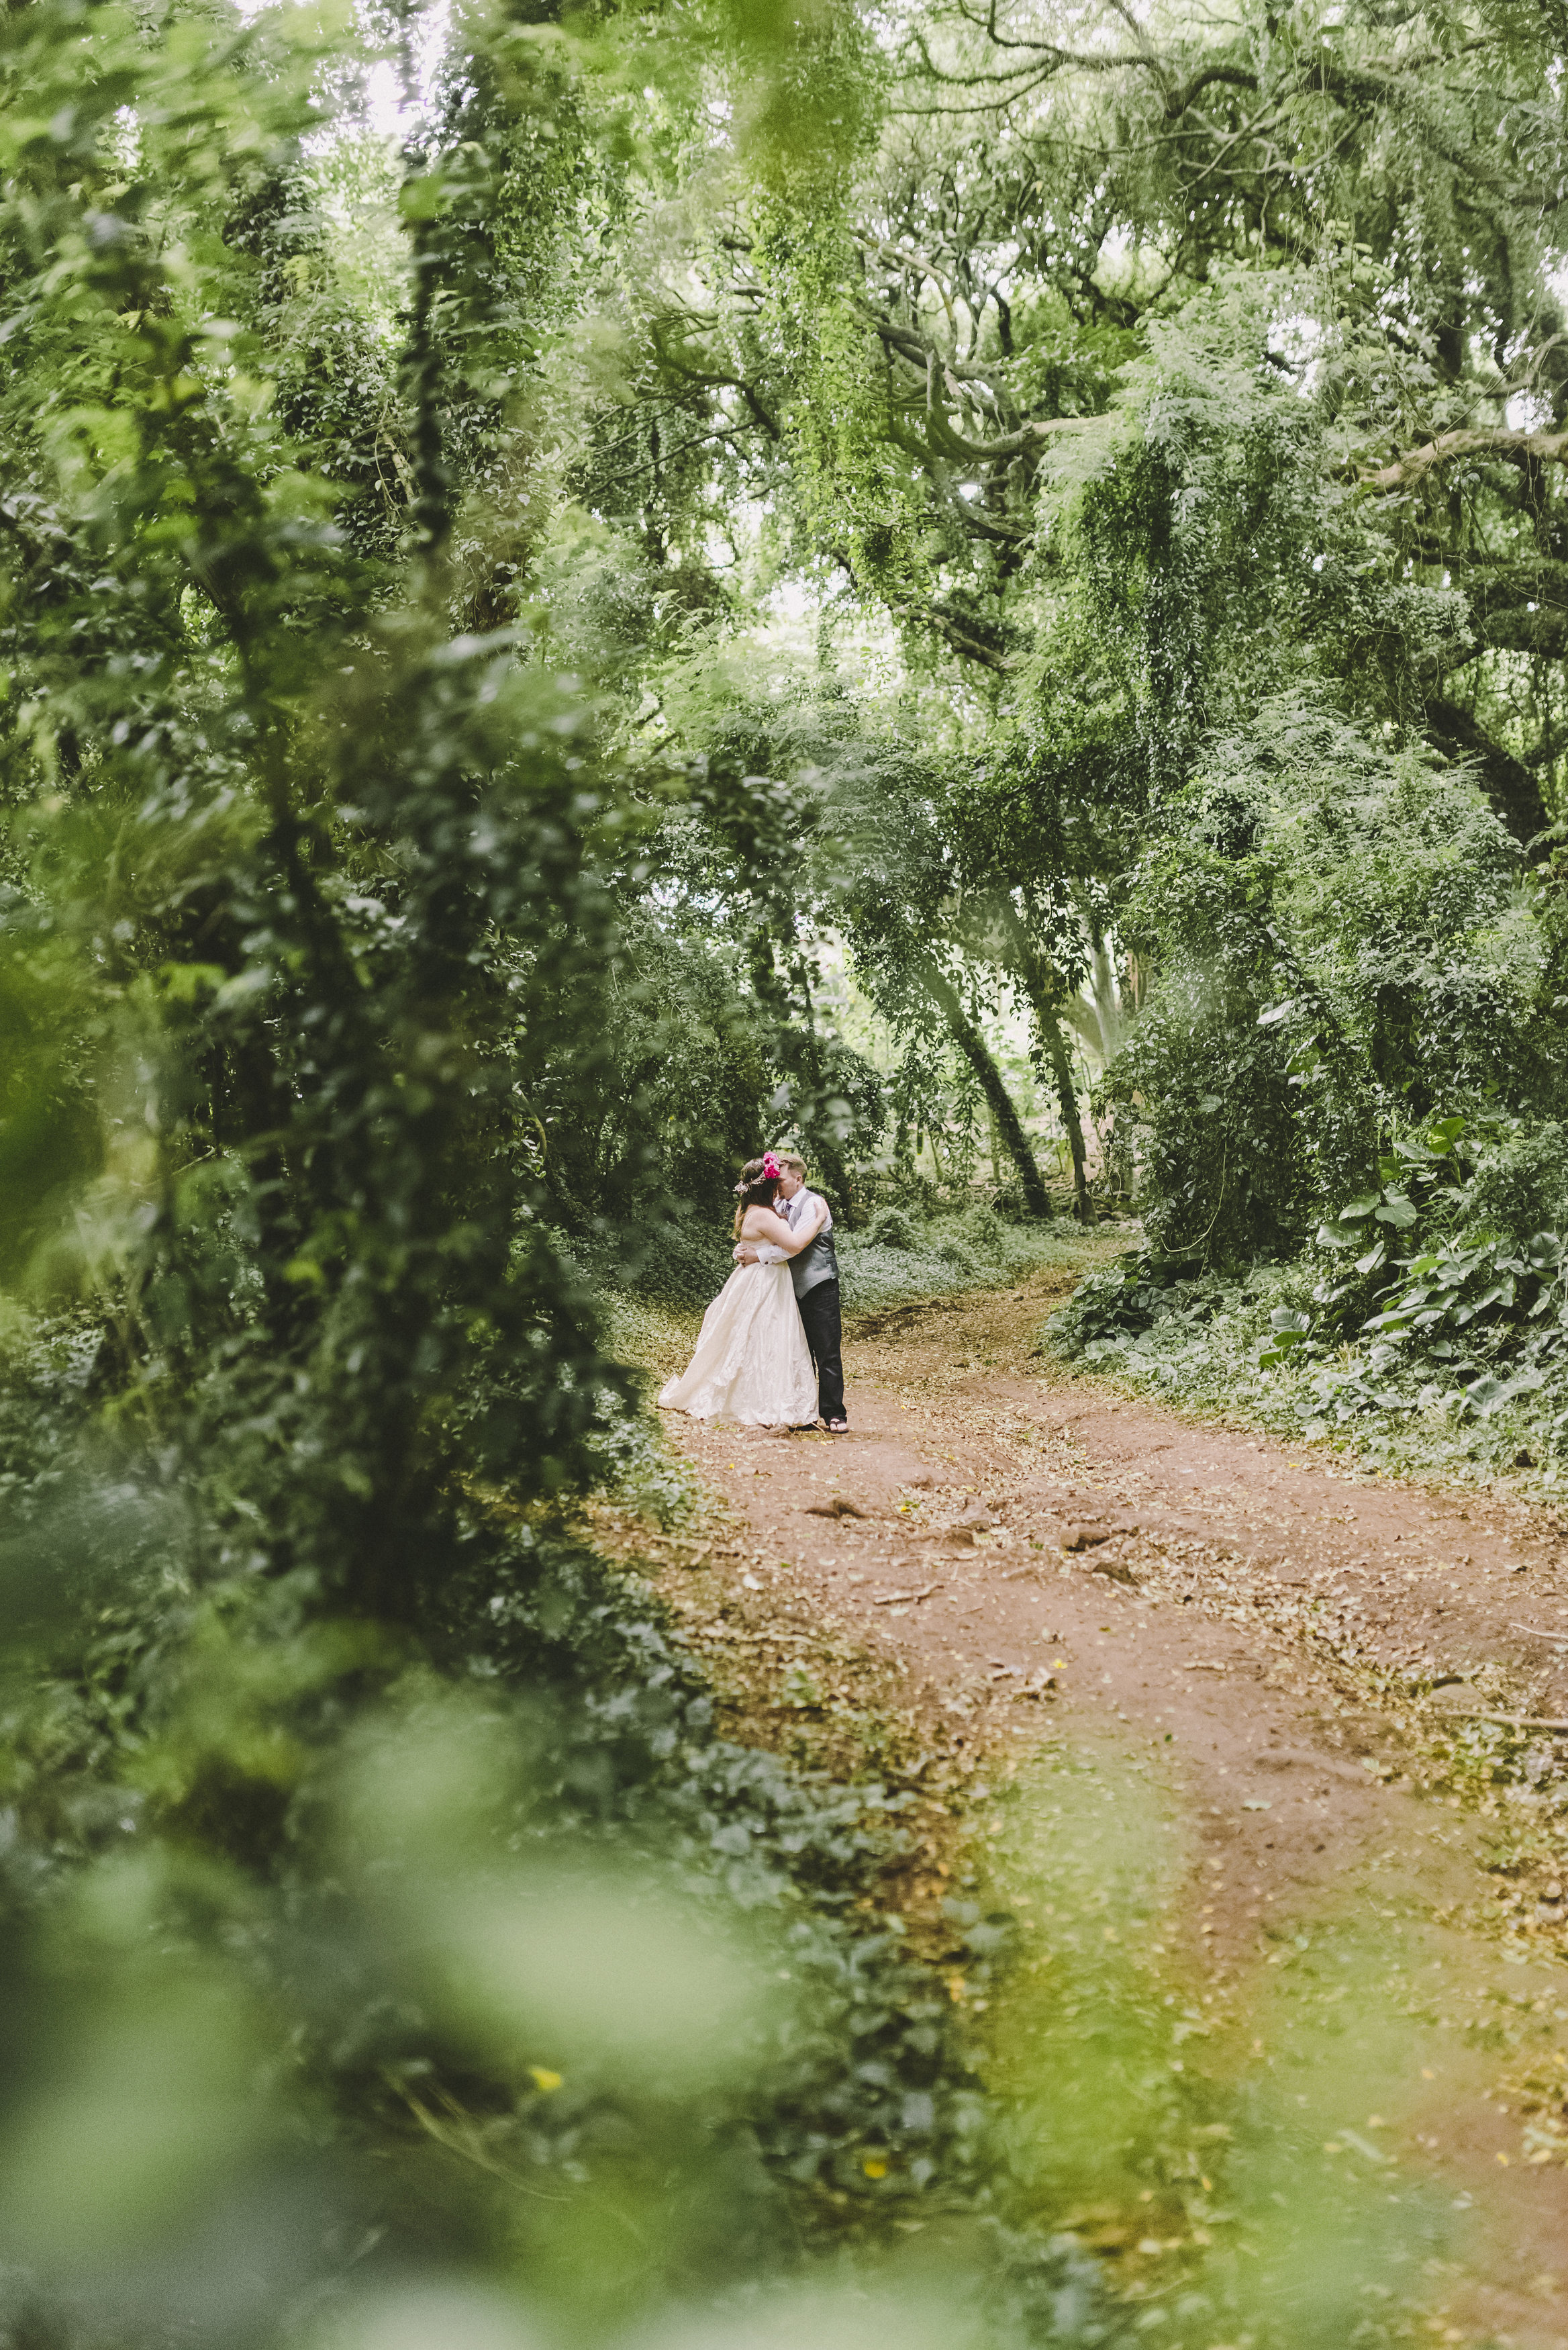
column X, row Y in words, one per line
column 751, row 1361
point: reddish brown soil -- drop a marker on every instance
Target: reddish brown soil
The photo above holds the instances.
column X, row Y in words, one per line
column 1246, row 1627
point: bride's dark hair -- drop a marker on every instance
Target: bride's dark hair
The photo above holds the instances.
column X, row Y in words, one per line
column 758, row 1186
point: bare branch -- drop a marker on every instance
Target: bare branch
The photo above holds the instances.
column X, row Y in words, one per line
column 1546, row 448
column 1178, row 101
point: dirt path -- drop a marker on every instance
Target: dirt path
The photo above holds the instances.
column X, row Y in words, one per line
column 1254, row 1630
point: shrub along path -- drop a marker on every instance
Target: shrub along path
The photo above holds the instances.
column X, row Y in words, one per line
column 1295, row 1662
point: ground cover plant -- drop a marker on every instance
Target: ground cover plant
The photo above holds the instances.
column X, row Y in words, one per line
column 897, row 1254
column 1346, row 1091
column 1425, row 1325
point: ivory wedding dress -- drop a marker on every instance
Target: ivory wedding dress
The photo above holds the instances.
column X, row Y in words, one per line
column 752, row 1362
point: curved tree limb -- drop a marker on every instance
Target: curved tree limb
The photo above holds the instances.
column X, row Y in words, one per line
column 1479, row 441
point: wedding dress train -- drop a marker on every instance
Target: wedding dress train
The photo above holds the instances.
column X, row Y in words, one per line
column 752, row 1362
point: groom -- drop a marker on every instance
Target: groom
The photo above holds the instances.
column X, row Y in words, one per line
column 814, row 1272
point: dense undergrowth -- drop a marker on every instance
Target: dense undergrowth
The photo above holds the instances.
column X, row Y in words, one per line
column 897, row 1254
column 1427, row 1325
column 521, row 1916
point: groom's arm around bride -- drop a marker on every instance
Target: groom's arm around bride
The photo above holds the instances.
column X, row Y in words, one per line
column 813, row 1270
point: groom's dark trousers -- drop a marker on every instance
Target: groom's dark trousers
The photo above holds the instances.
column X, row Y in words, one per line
column 825, row 1336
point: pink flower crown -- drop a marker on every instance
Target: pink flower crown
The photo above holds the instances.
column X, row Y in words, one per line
column 771, row 1173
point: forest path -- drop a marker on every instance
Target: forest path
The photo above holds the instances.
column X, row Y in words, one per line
column 1237, row 1629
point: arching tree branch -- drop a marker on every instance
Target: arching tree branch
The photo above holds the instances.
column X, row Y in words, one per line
column 1546, row 448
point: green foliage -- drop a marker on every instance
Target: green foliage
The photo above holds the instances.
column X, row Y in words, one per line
column 679, row 1094
column 1463, row 1353
column 898, row 1257
column 1337, row 946
column 436, row 1970
column 1205, row 1075
column 1123, row 449
column 423, row 859
column 1190, row 508
column 348, row 1013
column 892, row 1228
column 1129, row 1298
column 1520, row 1183
column 1489, row 1315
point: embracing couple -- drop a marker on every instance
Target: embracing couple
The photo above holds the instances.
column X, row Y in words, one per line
column 770, row 1351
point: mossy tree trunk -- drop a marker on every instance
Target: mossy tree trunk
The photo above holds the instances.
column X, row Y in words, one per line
column 973, row 1047
column 1046, row 991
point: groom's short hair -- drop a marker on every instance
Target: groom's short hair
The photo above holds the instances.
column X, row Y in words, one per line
column 792, row 1160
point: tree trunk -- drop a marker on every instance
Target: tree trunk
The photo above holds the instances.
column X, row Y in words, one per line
column 972, row 1045
column 906, row 1159
column 1044, row 990
column 1514, row 791
column 1062, row 1070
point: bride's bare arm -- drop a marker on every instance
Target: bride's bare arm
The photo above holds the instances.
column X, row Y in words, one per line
column 766, row 1224
column 772, row 1227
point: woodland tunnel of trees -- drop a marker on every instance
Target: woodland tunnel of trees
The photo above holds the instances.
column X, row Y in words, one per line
column 582, row 590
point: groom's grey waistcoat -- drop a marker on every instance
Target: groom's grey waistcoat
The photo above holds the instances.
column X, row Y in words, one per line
column 818, row 1263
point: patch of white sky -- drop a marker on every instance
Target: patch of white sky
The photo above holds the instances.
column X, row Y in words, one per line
column 392, row 109
column 386, row 112
column 1297, row 339
column 1528, row 411
column 794, row 614
column 377, row 98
